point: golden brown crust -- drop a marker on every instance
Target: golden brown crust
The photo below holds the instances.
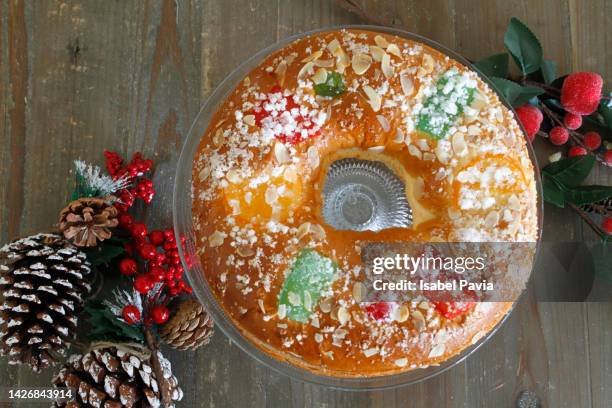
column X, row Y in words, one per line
column 257, row 201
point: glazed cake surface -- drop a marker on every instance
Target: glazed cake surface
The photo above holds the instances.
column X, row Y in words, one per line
column 258, row 182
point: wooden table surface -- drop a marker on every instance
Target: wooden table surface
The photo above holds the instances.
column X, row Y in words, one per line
column 77, row 77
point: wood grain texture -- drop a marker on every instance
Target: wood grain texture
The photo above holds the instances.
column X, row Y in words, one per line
column 80, row 76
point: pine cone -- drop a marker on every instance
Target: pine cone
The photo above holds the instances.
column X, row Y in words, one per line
column 112, row 378
column 43, row 280
column 88, row 220
column 189, row 328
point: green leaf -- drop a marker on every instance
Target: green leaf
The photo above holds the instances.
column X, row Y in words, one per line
column 588, row 194
column 515, row 94
column 333, row 85
column 524, row 46
column 549, row 71
column 494, row 66
column 602, row 260
column 310, row 274
column 553, row 194
column 606, row 114
column 572, row 171
column 105, row 252
column 106, row 326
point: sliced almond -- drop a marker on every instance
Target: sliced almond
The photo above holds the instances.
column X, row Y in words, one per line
column 359, row 292
column 384, row 123
column 357, row 316
column 307, row 301
column 271, row 194
column 437, row 350
column 307, row 69
column 281, row 153
column 394, row 50
column 370, row 352
column 249, row 120
column 326, row 305
column 491, row 219
column 317, row 232
column 403, row 312
column 216, row 239
column 479, row 101
column 418, row 319
column 333, row 46
column 401, row 362
column 514, row 203
column 459, row 145
column 399, row 136
column 377, row 53
column 294, row 298
column 245, row 252
column 204, row 173
column 373, row 98
column 314, row 56
column 303, row 230
column 328, row 63
column 386, row 67
column 282, row 311
column 320, row 76
column 343, row 315
column 415, row 151
column 318, row 337
column 381, row 41
column 361, row 62
column 312, row 155
column 427, row 63
column 407, row 84
column 218, row 138
column 233, row 176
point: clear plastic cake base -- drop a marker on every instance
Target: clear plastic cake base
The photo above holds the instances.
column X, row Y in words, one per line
column 357, row 206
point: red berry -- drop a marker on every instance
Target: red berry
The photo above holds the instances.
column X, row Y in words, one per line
column 592, row 140
column 125, row 220
column 572, row 121
column 128, row 267
column 142, row 284
column 160, row 314
column 608, row 157
column 531, row 119
column 131, row 314
column 173, row 291
column 138, row 230
column 607, row 225
column 581, row 92
column 156, row 237
column 157, row 274
column 576, row 151
column 558, row 135
column 147, row 251
column 378, row 310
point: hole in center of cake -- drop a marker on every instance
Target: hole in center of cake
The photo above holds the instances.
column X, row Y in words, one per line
column 364, row 195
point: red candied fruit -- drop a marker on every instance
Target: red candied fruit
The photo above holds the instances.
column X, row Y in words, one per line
column 378, row 310
column 607, row 225
column 608, row 157
column 558, row 135
column 450, row 310
column 592, row 140
column 531, row 119
column 572, row 121
column 576, row 151
column 581, row 92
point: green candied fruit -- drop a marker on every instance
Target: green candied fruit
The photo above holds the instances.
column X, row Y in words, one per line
column 446, row 102
column 333, row 85
column 310, row 274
